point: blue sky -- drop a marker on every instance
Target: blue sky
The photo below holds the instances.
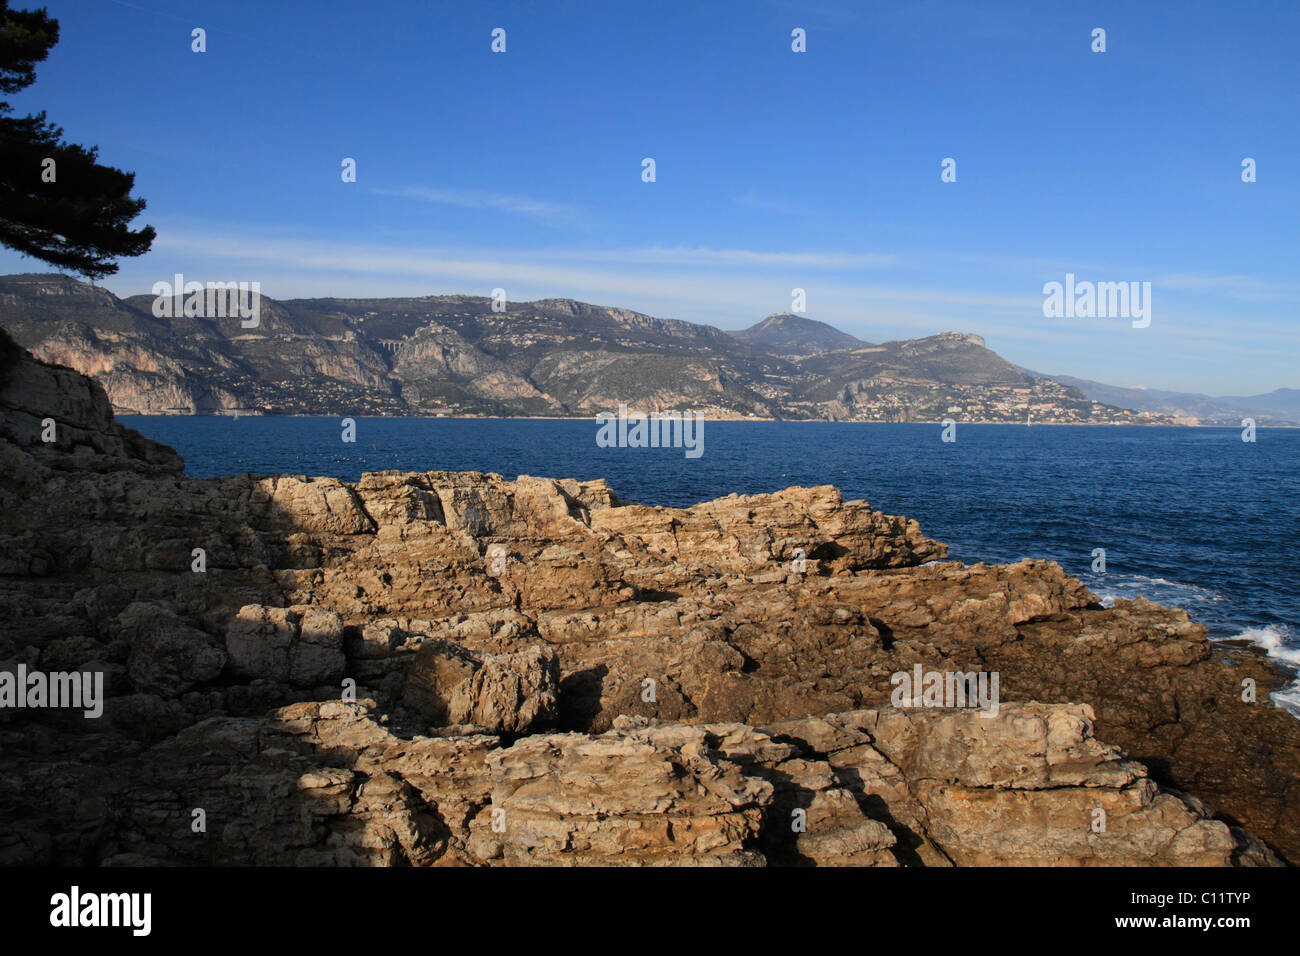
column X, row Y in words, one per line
column 775, row 169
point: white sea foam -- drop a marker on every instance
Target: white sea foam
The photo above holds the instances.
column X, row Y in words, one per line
column 1278, row 644
column 1189, row 597
column 1288, row 698
column 1275, row 641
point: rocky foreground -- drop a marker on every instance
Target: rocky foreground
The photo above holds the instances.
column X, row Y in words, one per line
column 455, row 669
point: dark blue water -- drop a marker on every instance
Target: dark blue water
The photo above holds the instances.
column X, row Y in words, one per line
column 1193, row 517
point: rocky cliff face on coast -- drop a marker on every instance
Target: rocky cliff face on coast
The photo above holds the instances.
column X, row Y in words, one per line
column 456, row 669
column 458, row 355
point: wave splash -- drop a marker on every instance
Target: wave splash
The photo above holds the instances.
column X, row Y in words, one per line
column 1279, row 642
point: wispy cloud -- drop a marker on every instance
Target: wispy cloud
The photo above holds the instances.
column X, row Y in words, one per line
column 728, row 287
column 403, row 259
column 703, row 256
column 552, row 213
column 752, row 200
column 684, row 281
column 1246, row 288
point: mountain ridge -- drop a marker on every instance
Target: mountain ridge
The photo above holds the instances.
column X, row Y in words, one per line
column 454, row 355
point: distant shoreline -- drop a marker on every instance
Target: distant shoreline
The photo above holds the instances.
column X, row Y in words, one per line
column 780, row 421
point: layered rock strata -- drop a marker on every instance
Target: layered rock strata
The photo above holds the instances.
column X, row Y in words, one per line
column 448, row 668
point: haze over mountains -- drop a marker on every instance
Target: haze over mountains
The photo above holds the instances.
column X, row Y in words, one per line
column 453, row 355
column 1280, row 406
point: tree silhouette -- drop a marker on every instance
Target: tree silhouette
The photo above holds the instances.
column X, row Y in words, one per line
column 57, row 204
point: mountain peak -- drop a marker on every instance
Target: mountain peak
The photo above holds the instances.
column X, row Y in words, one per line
column 784, row 333
column 960, row 338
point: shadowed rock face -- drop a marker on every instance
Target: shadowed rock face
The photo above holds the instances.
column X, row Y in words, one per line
column 453, row 668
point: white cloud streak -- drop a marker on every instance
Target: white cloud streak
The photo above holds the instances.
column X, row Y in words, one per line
column 552, row 213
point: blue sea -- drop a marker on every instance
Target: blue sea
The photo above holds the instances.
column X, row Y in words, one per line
column 1191, row 517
